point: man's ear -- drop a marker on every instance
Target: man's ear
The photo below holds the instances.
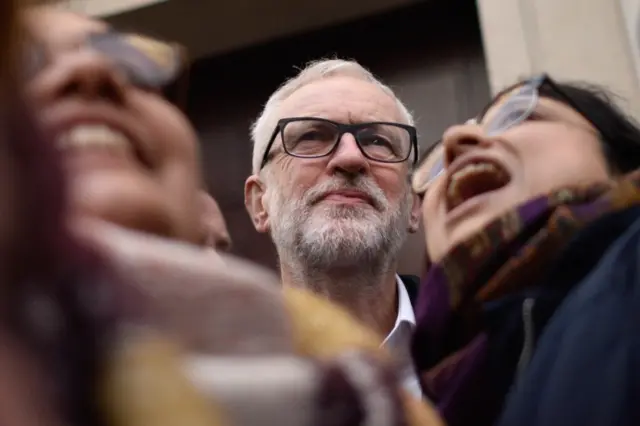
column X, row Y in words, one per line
column 254, row 190
column 416, row 213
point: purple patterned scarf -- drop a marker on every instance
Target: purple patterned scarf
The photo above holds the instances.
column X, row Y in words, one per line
column 512, row 253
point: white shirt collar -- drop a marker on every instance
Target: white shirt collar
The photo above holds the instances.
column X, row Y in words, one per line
column 405, row 311
column 399, row 341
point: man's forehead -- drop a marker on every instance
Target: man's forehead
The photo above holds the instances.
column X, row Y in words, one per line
column 342, row 99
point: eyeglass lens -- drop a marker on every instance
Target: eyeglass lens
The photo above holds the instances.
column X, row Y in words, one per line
column 316, row 138
column 147, row 62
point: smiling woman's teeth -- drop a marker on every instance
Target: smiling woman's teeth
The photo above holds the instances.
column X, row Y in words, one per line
column 466, row 172
column 472, row 180
column 93, row 136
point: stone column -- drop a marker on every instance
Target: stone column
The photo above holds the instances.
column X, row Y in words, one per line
column 590, row 40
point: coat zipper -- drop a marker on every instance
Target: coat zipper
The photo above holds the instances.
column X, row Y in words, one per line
column 529, row 337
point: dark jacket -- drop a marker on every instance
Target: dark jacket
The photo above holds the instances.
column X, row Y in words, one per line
column 412, row 284
column 577, row 360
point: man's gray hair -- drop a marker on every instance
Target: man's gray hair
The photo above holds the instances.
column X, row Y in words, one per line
column 263, row 127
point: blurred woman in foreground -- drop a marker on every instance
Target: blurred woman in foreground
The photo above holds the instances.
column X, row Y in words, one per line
column 49, row 344
column 79, row 346
column 530, row 311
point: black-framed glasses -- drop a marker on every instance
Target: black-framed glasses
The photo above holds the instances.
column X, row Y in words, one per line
column 513, row 106
column 148, row 63
column 312, row 137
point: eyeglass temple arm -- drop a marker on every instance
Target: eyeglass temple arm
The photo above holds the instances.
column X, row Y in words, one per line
column 265, row 157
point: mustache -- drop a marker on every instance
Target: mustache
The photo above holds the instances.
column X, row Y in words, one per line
column 362, row 184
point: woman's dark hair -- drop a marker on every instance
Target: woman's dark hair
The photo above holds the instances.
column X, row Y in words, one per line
column 41, row 260
column 620, row 134
column 46, row 264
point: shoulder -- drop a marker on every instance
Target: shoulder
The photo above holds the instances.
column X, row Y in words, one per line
column 591, row 342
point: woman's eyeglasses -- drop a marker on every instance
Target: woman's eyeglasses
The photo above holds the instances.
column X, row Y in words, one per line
column 510, row 108
column 148, row 63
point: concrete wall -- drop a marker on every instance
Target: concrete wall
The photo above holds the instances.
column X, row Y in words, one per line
column 631, row 13
column 571, row 39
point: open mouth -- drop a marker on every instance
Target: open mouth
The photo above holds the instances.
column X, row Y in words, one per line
column 475, row 179
column 100, row 138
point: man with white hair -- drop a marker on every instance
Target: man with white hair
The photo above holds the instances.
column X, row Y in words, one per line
column 333, row 150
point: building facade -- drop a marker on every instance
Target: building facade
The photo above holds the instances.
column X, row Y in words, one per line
column 444, row 59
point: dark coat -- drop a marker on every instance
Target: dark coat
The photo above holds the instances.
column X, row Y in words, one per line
column 584, row 365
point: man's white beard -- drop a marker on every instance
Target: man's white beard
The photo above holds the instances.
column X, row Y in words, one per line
column 320, row 237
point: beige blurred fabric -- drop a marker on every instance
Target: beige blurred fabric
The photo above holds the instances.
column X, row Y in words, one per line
column 247, row 342
column 210, row 303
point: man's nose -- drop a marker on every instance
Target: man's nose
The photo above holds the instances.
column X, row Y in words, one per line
column 460, row 139
column 348, row 158
column 85, row 74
